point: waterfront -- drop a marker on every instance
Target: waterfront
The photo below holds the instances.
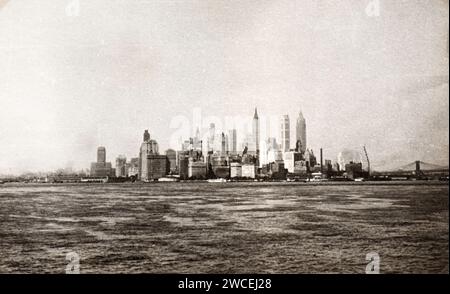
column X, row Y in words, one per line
column 224, row 227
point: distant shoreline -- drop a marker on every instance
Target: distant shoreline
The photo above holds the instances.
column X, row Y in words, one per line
column 263, row 183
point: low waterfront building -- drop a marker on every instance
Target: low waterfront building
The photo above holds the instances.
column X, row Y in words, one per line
column 218, row 165
column 235, row 170
column 94, row 180
column 353, row 170
column 249, row 171
column 196, row 169
column 183, row 160
column 222, row 171
column 277, row 170
column 70, row 178
column 300, row 167
column 310, row 158
column 183, row 166
column 219, row 160
column 290, row 158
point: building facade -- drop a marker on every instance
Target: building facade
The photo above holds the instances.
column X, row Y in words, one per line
column 249, row 171
column 172, row 157
column 290, row 158
column 255, row 130
column 235, row 170
column 285, row 133
column 158, row 167
column 101, row 155
column 196, row 169
column 300, row 134
column 121, row 166
column 183, row 165
column 148, row 147
column 232, row 141
column 133, row 167
column 101, row 168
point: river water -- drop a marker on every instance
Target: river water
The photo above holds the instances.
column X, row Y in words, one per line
column 223, row 227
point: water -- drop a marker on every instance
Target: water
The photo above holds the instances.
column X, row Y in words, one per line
column 223, row 228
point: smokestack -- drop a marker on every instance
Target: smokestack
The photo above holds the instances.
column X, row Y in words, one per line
column 417, row 166
column 321, row 161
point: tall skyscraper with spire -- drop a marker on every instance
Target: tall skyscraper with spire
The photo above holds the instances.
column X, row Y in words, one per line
column 197, row 140
column 285, row 133
column 255, row 128
column 301, row 132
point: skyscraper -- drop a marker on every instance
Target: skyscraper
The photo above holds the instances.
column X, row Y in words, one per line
column 148, row 147
column 232, row 141
column 172, row 157
column 212, row 132
column 227, row 145
column 223, row 144
column 101, row 168
column 285, row 133
column 133, row 167
column 121, row 166
column 146, row 136
column 255, row 128
column 197, row 134
column 101, row 154
column 197, row 140
column 301, row 132
column 251, row 140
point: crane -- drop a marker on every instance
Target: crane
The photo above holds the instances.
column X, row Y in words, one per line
column 368, row 162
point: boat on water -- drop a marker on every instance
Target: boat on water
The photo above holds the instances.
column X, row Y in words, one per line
column 168, row 179
column 217, row 180
column 359, row 180
column 94, row 180
column 317, row 178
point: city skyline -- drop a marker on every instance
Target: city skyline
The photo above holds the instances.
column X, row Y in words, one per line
column 71, row 86
column 219, row 142
column 243, row 137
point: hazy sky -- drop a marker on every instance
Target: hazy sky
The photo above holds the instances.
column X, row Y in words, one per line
column 78, row 74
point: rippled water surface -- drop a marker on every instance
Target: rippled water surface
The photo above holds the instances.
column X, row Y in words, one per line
column 223, row 228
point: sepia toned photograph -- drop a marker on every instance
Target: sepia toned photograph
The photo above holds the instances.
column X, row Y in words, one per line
column 224, row 137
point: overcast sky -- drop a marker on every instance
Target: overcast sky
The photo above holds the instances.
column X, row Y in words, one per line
column 78, row 74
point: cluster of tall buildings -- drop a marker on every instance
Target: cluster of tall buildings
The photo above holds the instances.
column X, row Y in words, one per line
column 216, row 155
column 123, row 168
